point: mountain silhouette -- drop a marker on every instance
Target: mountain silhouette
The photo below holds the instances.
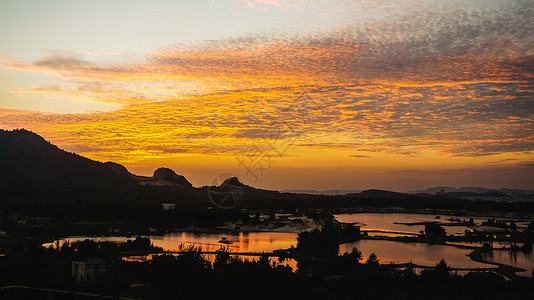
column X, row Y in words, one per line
column 33, row 168
column 164, row 177
column 29, row 161
column 375, row 193
column 322, row 192
column 451, row 191
column 234, row 182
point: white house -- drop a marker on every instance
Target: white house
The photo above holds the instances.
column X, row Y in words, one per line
column 87, row 269
column 168, row 206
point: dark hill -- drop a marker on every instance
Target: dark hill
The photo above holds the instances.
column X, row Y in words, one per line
column 165, row 177
column 234, row 182
column 31, row 165
column 374, row 193
column 27, row 159
column 33, row 168
column 119, row 169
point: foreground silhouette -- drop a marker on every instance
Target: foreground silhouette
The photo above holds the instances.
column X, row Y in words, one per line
column 321, row 274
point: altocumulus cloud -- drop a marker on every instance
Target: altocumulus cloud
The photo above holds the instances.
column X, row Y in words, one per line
column 454, row 82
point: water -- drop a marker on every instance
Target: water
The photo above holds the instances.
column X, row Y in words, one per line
column 211, row 258
column 387, row 251
column 424, row 254
column 383, row 221
column 241, row 241
column 417, row 253
column 514, row 258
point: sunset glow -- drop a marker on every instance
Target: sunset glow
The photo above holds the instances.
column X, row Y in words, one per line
column 312, row 94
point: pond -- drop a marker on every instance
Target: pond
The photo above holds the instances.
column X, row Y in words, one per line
column 387, row 251
column 241, row 241
column 386, row 221
column 425, row 254
column 417, row 253
column 514, row 258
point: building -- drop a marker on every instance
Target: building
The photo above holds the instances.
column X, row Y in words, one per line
column 168, row 206
column 87, row 269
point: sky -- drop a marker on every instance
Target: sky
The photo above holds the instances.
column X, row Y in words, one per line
column 283, row 94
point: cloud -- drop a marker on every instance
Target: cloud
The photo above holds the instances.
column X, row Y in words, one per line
column 277, row 3
column 61, row 60
column 359, row 156
column 453, row 82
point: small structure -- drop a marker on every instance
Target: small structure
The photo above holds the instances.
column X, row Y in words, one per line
column 224, row 240
column 282, row 216
column 87, row 269
column 168, row 206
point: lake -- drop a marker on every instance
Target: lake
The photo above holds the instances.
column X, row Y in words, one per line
column 425, row 254
column 417, row 253
column 241, row 242
column 387, row 251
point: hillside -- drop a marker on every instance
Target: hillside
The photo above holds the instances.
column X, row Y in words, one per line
column 479, row 193
column 28, row 159
column 30, row 164
column 33, row 168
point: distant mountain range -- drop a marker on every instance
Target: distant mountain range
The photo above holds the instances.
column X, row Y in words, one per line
column 440, row 190
column 326, row 193
column 474, row 190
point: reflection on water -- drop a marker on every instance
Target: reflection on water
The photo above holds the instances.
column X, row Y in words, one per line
column 418, row 253
column 387, row 251
column 424, row 254
column 73, row 239
column 211, row 258
column 494, row 244
column 241, row 242
column 370, row 221
column 386, row 221
column 514, row 258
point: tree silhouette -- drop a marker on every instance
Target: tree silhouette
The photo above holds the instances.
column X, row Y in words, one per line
column 322, row 243
column 372, row 260
column 434, row 230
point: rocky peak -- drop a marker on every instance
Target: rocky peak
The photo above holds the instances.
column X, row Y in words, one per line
column 233, row 181
column 118, row 169
column 166, row 176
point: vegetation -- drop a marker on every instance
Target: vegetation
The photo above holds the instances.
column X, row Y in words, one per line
column 434, row 230
column 192, row 275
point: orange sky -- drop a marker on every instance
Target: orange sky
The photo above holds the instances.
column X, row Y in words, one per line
column 416, row 99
